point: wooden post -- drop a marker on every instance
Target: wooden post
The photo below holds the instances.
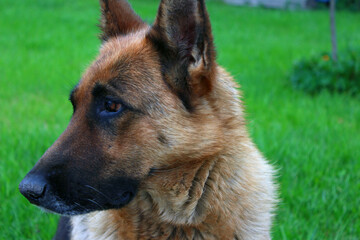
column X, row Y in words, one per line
column 333, row 30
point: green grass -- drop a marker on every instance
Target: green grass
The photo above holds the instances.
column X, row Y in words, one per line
column 314, row 141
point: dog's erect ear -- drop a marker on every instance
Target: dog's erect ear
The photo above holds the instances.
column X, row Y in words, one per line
column 182, row 35
column 118, row 18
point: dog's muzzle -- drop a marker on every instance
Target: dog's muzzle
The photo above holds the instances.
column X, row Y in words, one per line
column 71, row 197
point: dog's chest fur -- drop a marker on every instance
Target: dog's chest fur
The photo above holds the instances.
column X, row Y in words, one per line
column 83, row 228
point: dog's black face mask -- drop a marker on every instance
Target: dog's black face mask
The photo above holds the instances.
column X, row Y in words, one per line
column 59, row 193
column 74, row 177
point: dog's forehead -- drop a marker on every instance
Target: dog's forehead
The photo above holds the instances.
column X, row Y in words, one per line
column 129, row 63
column 124, row 55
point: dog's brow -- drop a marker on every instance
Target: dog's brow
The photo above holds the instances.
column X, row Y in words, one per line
column 100, row 89
column 104, row 90
column 72, row 94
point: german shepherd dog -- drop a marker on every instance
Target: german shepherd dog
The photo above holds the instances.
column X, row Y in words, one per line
column 157, row 146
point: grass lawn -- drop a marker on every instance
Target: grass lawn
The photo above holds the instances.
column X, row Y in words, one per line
column 314, row 141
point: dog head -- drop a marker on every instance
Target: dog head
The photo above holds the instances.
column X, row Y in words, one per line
column 144, row 104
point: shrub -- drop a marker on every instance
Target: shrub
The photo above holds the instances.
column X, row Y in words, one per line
column 352, row 5
column 349, row 4
column 322, row 73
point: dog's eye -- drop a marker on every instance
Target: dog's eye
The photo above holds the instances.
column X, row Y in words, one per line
column 112, row 107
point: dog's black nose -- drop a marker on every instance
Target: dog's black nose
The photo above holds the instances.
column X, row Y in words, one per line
column 33, row 187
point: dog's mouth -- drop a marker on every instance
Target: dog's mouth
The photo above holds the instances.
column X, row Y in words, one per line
column 54, row 204
column 75, row 199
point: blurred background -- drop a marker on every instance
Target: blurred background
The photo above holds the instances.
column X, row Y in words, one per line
column 301, row 96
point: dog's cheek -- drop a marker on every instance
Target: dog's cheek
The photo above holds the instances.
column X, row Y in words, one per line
column 134, row 151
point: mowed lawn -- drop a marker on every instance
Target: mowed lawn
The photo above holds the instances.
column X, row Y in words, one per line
column 314, row 141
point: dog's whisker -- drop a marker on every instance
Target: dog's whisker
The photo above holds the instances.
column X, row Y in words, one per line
column 96, row 203
column 88, row 186
column 84, row 208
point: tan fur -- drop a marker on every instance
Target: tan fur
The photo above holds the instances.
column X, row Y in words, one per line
column 208, row 180
column 213, row 184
